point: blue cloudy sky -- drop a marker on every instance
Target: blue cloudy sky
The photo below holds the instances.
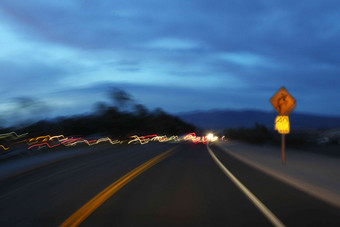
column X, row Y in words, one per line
column 180, row 55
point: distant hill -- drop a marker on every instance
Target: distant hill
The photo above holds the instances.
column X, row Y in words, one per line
column 221, row 119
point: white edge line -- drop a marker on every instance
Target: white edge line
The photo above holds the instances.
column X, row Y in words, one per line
column 326, row 195
column 265, row 211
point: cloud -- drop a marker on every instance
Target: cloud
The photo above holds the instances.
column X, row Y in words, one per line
column 172, row 44
column 230, row 54
column 247, row 59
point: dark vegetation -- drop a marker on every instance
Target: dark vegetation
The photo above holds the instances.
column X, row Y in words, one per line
column 259, row 134
column 221, row 119
column 121, row 119
column 112, row 122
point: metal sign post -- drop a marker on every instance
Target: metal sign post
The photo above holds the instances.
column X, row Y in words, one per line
column 283, row 127
column 283, row 156
column 284, row 104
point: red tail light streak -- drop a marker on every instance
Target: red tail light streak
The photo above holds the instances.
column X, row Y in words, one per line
column 48, row 141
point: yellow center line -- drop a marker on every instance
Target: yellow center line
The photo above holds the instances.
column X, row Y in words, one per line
column 80, row 215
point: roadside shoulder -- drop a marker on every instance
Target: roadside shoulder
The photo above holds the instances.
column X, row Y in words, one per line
column 315, row 174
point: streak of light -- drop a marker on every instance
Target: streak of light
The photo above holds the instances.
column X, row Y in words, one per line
column 211, row 137
column 73, row 141
column 169, row 139
column 205, row 140
column 12, row 135
column 142, row 139
column 105, row 139
column 149, row 138
column 192, row 137
column 43, row 139
column 5, row 148
column 42, row 144
column 57, row 140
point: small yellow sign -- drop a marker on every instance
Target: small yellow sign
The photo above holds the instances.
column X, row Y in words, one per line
column 282, row 124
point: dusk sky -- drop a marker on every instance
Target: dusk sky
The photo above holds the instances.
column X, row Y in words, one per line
column 179, row 55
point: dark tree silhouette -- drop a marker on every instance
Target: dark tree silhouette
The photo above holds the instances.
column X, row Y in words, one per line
column 121, row 98
column 112, row 121
column 140, row 110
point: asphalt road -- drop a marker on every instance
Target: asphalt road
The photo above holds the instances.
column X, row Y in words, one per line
column 144, row 186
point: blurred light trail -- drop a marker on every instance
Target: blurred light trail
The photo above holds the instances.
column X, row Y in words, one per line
column 105, row 139
column 211, row 137
column 192, row 137
column 149, row 138
column 42, row 138
column 138, row 139
column 204, row 140
column 12, row 134
column 73, row 141
column 57, row 140
column 171, row 138
column 39, row 139
column 196, row 139
column 42, row 144
column 5, row 148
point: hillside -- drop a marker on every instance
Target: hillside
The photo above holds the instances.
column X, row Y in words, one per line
column 221, row 119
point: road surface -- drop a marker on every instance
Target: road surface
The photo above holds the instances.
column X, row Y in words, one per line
column 155, row 185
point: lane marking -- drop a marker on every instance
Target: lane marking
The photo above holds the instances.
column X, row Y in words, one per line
column 323, row 193
column 80, row 215
column 265, row 211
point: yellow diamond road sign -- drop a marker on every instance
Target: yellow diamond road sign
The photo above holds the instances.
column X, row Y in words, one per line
column 283, row 102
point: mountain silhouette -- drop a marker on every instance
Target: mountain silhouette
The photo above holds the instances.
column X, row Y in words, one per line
column 221, row 119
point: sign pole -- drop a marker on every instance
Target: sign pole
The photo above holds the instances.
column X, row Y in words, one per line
column 283, row 149
column 284, row 104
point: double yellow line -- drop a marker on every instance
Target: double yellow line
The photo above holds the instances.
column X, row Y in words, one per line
column 80, row 215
